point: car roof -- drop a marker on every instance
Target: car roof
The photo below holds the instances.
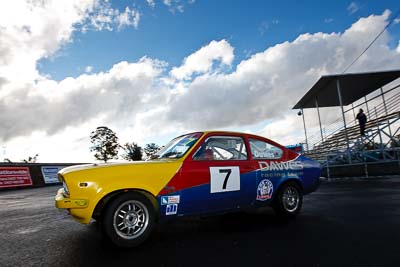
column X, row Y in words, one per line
column 234, row 133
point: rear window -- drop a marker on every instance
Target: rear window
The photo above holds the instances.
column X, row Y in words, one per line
column 263, row 150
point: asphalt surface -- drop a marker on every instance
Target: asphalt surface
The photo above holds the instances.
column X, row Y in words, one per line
column 344, row 223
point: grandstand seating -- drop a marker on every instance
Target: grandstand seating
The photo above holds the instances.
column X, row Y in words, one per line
column 334, row 145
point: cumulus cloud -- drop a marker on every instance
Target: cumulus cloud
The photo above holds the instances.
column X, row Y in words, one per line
column 51, row 106
column 33, row 30
column 148, row 98
column 202, row 60
column 285, row 130
column 270, row 82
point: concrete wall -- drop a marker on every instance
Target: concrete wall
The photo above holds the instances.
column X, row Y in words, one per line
column 35, row 170
column 363, row 170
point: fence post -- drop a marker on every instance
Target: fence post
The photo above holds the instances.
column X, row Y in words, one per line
column 344, row 119
column 386, row 112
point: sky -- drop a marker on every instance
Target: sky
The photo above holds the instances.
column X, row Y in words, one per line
column 151, row 70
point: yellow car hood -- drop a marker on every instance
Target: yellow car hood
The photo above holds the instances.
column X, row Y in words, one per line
column 150, row 176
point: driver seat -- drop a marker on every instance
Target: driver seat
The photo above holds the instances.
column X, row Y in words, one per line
column 208, row 154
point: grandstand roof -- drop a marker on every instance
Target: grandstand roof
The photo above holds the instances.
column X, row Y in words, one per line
column 353, row 86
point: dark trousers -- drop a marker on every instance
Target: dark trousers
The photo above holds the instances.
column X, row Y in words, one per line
column 362, row 129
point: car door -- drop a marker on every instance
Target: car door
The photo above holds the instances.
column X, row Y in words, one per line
column 274, row 168
column 219, row 176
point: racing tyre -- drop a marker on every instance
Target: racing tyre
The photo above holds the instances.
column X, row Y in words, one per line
column 288, row 202
column 129, row 219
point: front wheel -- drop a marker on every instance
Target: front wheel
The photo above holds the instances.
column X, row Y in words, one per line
column 287, row 203
column 129, row 219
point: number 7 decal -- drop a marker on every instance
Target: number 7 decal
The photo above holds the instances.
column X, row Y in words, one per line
column 224, row 179
column 228, row 173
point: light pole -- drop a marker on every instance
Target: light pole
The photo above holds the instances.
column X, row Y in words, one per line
column 301, row 113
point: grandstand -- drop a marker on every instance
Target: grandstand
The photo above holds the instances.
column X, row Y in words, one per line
column 338, row 145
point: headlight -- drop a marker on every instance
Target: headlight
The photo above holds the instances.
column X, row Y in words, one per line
column 65, row 188
column 61, row 179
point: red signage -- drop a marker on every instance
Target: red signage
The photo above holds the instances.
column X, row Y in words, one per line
column 14, row 176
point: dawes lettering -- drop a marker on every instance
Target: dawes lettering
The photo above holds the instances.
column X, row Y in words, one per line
column 280, row 166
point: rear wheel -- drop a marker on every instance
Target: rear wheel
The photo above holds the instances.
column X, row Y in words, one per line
column 287, row 203
column 129, row 219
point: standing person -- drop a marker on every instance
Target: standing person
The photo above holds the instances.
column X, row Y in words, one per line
column 362, row 120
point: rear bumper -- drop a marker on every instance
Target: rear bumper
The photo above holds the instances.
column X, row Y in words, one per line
column 314, row 186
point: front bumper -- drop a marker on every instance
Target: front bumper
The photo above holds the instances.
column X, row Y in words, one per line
column 63, row 202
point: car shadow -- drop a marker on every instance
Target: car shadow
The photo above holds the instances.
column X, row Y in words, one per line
column 195, row 233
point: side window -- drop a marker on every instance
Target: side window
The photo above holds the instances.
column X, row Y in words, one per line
column 264, row 150
column 222, row 148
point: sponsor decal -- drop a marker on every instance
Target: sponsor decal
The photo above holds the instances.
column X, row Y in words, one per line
column 264, row 154
column 171, row 209
column 292, row 175
column 165, row 200
column 279, row 174
column 280, row 166
column 50, row 174
column 264, row 190
column 14, row 176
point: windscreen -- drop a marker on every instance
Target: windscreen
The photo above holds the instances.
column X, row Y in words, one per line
column 178, row 147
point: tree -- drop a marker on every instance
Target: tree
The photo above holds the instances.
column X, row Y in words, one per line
column 30, row 159
column 105, row 143
column 150, row 150
column 133, row 152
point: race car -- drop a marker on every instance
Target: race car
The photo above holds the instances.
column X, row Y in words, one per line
column 199, row 173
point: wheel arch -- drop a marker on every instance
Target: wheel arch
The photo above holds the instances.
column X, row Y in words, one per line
column 277, row 202
column 107, row 199
column 296, row 181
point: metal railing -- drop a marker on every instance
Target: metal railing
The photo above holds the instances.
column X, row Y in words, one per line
column 390, row 105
